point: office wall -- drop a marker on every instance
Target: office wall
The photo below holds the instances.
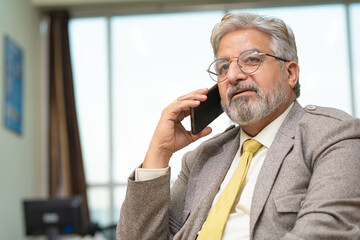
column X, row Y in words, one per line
column 21, row 156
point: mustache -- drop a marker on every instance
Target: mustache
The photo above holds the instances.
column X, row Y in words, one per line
column 240, row 86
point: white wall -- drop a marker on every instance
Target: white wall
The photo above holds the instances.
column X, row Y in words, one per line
column 21, row 157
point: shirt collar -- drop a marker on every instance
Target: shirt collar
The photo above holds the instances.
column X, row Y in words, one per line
column 267, row 135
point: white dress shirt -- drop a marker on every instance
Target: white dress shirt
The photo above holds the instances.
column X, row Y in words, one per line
column 238, row 223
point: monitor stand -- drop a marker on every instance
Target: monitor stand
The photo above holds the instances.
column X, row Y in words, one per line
column 52, row 233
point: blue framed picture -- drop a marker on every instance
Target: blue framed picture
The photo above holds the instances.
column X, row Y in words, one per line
column 13, row 110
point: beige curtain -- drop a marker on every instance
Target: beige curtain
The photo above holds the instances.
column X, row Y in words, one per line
column 67, row 176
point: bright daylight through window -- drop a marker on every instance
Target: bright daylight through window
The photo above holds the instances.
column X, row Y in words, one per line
column 128, row 68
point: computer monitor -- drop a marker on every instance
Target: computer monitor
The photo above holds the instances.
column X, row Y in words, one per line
column 54, row 217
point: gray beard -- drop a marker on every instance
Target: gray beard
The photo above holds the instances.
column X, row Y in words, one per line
column 248, row 110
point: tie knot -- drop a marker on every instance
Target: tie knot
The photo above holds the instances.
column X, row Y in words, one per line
column 251, row 146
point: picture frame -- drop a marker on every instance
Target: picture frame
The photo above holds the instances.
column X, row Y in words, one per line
column 13, row 86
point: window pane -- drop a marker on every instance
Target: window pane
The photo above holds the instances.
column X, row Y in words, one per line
column 88, row 50
column 322, row 51
column 355, row 33
column 99, row 205
column 156, row 58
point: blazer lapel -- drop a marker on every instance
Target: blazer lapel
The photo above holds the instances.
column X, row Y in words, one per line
column 206, row 178
column 214, row 171
column 281, row 146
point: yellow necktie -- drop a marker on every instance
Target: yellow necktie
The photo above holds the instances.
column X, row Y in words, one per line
column 215, row 222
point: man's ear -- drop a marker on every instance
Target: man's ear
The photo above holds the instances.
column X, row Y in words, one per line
column 292, row 72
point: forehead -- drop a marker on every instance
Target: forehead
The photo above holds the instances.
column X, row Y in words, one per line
column 238, row 41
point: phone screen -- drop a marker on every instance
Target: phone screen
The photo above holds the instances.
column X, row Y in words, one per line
column 207, row 111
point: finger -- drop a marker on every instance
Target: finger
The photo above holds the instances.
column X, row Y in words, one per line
column 183, row 104
column 180, row 108
column 177, row 112
column 199, row 95
column 192, row 96
column 183, row 115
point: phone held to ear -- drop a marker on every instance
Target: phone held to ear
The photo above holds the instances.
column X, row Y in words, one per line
column 207, row 111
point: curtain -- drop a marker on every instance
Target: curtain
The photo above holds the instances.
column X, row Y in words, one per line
column 67, row 177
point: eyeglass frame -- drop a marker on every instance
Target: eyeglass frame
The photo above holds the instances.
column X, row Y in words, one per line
column 237, row 61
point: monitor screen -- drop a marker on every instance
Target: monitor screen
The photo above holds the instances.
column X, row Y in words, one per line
column 62, row 216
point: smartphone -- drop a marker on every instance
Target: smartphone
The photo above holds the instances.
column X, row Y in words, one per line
column 207, row 111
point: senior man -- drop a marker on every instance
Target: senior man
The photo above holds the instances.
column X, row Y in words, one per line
column 285, row 172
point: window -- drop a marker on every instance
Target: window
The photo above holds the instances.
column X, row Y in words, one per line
column 154, row 59
column 127, row 69
column 90, row 64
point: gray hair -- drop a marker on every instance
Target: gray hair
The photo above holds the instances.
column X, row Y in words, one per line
column 282, row 37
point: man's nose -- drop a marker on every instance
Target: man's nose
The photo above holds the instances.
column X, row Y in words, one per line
column 234, row 73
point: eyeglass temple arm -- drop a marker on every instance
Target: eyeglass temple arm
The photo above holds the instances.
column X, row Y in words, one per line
column 208, row 70
column 279, row 58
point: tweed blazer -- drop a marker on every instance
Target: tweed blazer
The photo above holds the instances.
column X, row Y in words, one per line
column 307, row 188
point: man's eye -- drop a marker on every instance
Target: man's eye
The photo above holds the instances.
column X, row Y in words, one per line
column 222, row 69
column 251, row 60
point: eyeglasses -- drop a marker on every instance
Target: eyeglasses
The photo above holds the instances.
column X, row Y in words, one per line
column 248, row 62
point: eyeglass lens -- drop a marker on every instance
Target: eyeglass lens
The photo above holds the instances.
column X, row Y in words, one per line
column 248, row 62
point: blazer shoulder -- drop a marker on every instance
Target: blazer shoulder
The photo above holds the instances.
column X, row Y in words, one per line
column 327, row 112
column 324, row 126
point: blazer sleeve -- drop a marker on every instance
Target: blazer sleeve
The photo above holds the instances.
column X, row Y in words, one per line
column 150, row 210
column 144, row 213
column 331, row 208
